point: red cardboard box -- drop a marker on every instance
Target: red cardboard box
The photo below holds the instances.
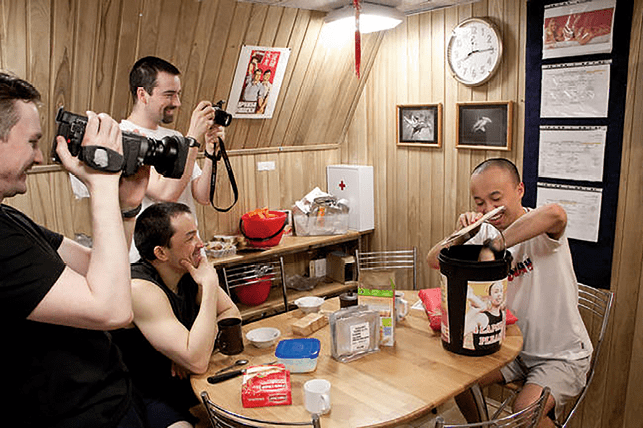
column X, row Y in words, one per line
column 266, row 386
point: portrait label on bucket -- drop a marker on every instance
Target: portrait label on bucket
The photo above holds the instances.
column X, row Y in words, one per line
column 473, row 300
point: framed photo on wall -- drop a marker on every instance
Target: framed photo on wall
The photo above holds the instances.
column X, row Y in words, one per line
column 419, row 125
column 484, row 125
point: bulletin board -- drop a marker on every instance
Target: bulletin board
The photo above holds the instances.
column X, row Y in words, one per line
column 592, row 256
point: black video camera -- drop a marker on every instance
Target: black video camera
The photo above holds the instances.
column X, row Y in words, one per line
column 221, row 117
column 167, row 155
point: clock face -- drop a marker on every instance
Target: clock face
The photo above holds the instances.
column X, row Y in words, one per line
column 474, row 51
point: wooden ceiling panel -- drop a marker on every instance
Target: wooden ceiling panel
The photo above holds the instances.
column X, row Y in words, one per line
column 85, row 49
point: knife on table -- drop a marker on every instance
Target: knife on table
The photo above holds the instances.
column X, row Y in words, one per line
column 225, row 376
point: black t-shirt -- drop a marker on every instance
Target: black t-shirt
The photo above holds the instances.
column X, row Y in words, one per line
column 150, row 369
column 54, row 376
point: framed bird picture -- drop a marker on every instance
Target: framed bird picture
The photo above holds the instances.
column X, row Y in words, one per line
column 419, row 125
column 484, row 125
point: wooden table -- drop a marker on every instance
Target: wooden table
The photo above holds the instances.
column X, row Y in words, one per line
column 383, row 389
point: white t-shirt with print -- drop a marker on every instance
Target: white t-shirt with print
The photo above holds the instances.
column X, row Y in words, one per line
column 186, row 196
column 543, row 293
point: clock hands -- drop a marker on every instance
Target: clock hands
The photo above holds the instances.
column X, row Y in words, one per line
column 478, row 51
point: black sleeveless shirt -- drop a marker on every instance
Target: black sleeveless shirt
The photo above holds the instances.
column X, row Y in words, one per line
column 151, row 370
column 489, row 336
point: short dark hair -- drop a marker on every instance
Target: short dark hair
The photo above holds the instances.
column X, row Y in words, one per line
column 502, row 163
column 13, row 88
column 144, row 72
column 154, row 227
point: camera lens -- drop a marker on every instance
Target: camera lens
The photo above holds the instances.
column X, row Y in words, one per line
column 222, row 117
column 168, row 156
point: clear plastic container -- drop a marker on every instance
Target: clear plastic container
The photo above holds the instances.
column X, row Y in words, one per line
column 331, row 224
column 298, row 355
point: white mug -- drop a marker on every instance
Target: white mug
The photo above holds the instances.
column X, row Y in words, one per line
column 317, row 396
column 401, row 306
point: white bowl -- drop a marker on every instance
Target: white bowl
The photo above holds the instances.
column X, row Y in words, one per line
column 263, row 337
column 309, row 304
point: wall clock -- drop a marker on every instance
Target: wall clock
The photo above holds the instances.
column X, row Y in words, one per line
column 474, row 51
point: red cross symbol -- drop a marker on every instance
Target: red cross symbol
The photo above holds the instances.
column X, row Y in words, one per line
column 342, row 185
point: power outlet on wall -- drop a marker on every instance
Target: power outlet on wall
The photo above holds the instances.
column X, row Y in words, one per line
column 265, row 166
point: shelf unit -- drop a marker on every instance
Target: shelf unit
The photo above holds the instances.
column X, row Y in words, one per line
column 293, row 254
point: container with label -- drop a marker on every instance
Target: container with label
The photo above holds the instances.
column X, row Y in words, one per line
column 354, row 332
column 473, row 300
column 376, row 290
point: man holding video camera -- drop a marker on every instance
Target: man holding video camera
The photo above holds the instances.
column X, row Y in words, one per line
column 155, row 86
column 56, row 296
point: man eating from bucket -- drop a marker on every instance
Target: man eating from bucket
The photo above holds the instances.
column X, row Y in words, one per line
column 542, row 290
column 177, row 301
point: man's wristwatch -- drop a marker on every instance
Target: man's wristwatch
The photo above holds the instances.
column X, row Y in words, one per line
column 193, row 142
column 132, row 213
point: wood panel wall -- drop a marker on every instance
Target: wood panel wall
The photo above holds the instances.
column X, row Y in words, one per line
column 78, row 53
column 622, row 401
column 420, row 192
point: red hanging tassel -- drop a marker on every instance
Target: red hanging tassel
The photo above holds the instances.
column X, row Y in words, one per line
column 358, row 37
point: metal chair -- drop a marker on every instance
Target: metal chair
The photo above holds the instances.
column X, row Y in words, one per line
column 528, row 417
column 384, row 260
column 594, row 306
column 222, row 418
column 253, row 273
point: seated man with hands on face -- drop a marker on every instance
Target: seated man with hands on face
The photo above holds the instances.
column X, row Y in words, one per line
column 542, row 290
column 177, row 301
column 56, row 296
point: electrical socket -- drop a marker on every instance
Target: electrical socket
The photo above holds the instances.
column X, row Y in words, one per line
column 266, row 166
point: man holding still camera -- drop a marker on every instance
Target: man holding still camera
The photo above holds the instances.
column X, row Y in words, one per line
column 155, row 86
column 57, row 296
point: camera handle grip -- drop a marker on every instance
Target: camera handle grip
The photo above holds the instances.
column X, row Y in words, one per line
column 101, row 158
column 213, row 178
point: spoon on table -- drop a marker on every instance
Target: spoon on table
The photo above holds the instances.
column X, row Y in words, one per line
column 236, row 363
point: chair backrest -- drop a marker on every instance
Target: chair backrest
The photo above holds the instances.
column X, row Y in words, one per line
column 253, row 273
column 528, row 417
column 595, row 306
column 221, row 418
column 384, row 260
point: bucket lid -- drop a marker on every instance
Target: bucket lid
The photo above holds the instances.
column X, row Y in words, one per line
column 298, row 348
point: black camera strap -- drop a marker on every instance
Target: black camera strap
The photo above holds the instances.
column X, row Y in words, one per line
column 213, row 178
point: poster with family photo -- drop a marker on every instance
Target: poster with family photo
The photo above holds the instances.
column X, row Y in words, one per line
column 484, row 125
column 257, row 81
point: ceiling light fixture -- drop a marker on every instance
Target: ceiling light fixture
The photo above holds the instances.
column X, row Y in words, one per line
column 372, row 17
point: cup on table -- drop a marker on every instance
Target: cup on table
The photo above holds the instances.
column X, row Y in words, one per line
column 229, row 339
column 401, row 306
column 317, row 396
